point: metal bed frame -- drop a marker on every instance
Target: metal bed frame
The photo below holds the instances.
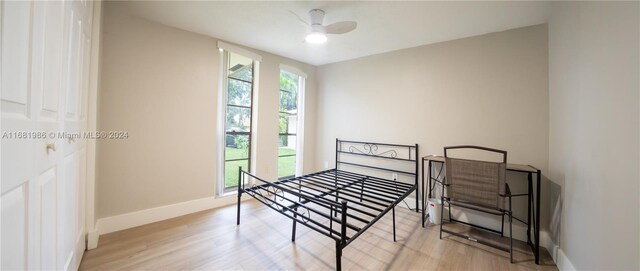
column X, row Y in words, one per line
column 352, row 201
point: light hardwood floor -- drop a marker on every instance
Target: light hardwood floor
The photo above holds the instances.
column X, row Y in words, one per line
column 211, row 240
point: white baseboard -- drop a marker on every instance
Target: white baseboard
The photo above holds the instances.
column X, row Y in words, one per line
column 92, row 238
column 546, row 242
column 138, row 218
column 563, row 263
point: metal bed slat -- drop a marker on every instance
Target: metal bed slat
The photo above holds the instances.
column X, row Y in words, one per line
column 378, row 189
column 369, row 183
column 348, row 200
column 377, row 179
column 375, row 187
column 370, row 188
column 352, row 216
column 357, row 191
column 384, row 202
column 332, row 180
column 378, row 168
column 331, row 194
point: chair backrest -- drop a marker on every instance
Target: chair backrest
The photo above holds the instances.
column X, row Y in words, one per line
column 476, row 182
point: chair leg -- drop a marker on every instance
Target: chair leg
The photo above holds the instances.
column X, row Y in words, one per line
column 441, row 215
column 502, row 225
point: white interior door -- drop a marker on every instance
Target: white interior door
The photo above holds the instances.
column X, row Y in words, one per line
column 43, row 79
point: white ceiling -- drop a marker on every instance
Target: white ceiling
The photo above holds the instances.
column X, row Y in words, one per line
column 382, row 26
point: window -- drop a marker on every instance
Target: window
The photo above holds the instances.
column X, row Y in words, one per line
column 238, row 85
column 290, row 120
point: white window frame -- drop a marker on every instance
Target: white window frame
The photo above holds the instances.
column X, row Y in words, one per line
column 222, row 111
column 300, row 122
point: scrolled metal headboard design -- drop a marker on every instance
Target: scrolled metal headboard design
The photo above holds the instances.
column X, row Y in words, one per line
column 371, row 149
column 398, row 152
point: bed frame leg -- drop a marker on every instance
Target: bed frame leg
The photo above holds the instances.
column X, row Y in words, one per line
column 338, row 256
column 393, row 212
column 239, row 193
column 293, row 230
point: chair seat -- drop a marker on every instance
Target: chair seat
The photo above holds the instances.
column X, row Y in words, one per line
column 477, row 207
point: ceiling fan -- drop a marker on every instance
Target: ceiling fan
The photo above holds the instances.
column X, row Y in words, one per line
column 319, row 32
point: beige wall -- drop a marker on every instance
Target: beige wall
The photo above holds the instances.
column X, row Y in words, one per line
column 594, row 136
column 161, row 85
column 489, row 90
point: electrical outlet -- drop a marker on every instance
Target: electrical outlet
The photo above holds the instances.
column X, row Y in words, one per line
column 394, row 176
column 326, row 165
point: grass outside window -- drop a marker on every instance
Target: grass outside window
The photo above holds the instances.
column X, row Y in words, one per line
column 286, row 165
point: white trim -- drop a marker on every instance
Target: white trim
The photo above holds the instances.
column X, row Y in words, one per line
column 239, row 50
column 292, row 69
column 563, row 262
column 92, row 238
column 300, row 117
column 300, row 125
column 142, row 217
column 92, row 109
column 220, row 134
column 253, row 161
column 546, row 242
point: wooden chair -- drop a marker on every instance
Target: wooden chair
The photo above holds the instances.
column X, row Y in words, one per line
column 477, row 185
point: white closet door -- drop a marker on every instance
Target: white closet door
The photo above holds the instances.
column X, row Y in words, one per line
column 43, row 89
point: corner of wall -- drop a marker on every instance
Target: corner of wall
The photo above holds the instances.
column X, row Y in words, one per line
column 93, row 237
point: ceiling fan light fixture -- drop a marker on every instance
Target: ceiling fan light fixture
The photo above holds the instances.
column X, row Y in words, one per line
column 316, row 37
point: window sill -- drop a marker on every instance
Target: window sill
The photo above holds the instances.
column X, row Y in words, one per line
column 228, row 194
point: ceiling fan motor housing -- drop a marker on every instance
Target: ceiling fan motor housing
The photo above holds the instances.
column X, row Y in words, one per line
column 317, row 16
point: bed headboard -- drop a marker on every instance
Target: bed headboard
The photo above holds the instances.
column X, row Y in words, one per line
column 372, row 153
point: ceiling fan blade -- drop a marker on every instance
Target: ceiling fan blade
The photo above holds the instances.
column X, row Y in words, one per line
column 299, row 19
column 340, row 27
